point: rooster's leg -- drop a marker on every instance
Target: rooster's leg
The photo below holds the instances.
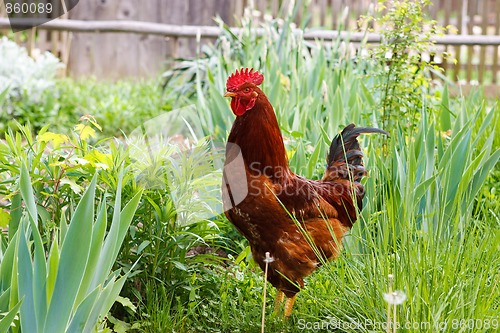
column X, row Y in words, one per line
column 278, row 300
column 289, row 305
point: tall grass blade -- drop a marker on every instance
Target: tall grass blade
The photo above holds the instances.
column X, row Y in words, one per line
column 15, row 214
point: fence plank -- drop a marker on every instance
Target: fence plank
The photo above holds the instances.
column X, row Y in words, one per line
column 322, row 12
column 275, row 8
column 238, row 8
column 496, row 49
column 484, row 28
column 447, row 15
column 458, row 48
column 335, row 5
column 470, row 49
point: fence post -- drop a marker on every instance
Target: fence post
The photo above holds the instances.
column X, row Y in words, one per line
column 116, row 56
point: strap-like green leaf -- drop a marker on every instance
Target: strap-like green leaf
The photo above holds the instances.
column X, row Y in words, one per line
column 27, row 193
column 6, row 321
column 15, row 214
column 73, row 260
column 95, row 250
column 7, row 263
column 25, row 280
column 126, row 216
column 82, row 314
column 52, row 266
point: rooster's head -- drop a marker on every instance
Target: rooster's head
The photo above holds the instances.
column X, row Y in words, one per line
column 242, row 88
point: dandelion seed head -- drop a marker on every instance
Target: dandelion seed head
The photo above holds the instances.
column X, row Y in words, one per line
column 395, row 298
column 268, row 258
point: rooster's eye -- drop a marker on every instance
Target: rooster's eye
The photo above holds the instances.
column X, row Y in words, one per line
column 246, row 90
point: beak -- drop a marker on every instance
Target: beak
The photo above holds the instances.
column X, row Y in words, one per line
column 229, row 94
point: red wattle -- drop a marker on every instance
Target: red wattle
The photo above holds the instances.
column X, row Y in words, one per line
column 240, row 108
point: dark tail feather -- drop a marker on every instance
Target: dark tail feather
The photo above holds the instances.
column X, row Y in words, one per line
column 345, row 159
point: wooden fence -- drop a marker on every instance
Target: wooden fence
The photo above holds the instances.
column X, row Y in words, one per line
column 113, row 55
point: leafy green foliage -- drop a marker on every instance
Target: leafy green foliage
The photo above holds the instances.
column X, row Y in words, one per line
column 59, row 176
column 119, row 107
column 9, row 303
column 402, row 62
column 420, row 227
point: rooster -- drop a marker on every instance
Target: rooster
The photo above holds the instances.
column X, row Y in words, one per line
column 299, row 222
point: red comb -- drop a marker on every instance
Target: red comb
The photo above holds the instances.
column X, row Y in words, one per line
column 242, row 76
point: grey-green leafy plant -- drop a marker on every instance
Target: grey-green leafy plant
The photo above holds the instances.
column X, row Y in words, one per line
column 26, row 78
column 22, row 75
column 72, row 287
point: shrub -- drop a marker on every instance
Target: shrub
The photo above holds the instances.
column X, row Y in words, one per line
column 400, row 66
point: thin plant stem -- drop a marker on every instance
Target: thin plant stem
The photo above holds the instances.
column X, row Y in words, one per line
column 267, row 261
column 388, row 328
column 394, row 318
